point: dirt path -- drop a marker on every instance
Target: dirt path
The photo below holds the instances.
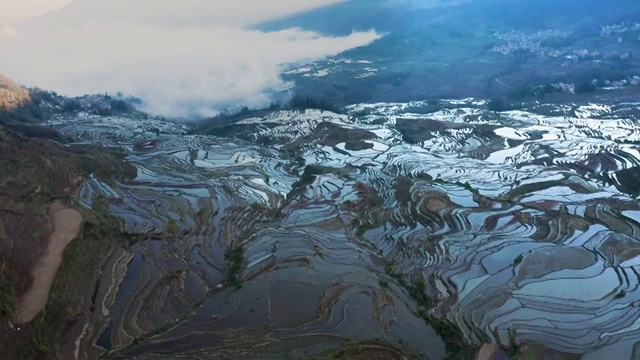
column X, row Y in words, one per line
column 66, row 226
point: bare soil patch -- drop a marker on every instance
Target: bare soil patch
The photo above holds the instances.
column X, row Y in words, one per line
column 66, row 227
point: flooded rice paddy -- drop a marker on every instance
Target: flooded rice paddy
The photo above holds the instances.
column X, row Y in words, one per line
column 521, row 225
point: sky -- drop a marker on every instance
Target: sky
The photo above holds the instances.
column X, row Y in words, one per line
column 187, row 58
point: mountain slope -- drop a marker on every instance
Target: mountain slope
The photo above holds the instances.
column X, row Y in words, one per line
column 37, row 173
column 12, row 95
column 485, row 49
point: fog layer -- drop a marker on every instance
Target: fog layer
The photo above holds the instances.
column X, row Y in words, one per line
column 165, row 53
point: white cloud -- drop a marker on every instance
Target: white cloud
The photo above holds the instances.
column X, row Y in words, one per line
column 183, row 12
column 8, row 31
column 178, row 67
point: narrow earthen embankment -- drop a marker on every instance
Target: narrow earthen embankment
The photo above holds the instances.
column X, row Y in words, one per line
column 66, row 227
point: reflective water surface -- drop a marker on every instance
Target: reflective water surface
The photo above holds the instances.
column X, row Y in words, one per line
column 522, row 224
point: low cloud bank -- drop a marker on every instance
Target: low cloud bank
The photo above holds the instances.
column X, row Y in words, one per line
column 177, row 70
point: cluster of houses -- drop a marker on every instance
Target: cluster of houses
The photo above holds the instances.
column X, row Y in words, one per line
column 538, row 44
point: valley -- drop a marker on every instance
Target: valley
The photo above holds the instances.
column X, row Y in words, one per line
column 351, row 180
column 434, row 231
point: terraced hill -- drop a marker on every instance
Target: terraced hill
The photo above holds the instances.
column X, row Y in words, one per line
column 435, row 229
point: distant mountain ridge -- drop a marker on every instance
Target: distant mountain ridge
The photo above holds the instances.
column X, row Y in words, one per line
column 400, row 16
